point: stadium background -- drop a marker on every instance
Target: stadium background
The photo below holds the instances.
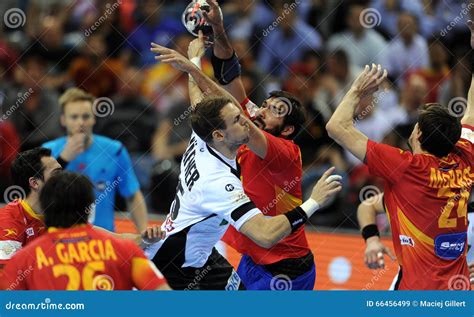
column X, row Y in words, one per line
column 312, row 48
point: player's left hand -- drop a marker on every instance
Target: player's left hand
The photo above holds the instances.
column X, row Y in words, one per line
column 152, row 235
column 374, row 253
column 169, row 56
column 369, row 80
column 214, row 16
column 197, row 47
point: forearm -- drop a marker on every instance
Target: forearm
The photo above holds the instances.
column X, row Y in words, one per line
column 366, row 215
column 138, row 211
column 135, row 237
column 208, row 86
column 222, row 47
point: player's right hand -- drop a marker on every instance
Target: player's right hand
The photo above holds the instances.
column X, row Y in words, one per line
column 213, row 17
column 152, row 235
column 75, row 145
column 172, row 57
column 326, row 187
column 374, row 253
column 369, row 81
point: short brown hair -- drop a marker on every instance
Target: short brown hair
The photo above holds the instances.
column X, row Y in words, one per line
column 206, row 117
column 72, row 95
column 440, row 130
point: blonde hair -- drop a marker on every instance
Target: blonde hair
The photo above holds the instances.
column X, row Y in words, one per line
column 72, row 95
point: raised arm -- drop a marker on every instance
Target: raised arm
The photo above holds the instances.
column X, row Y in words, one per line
column 469, row 114
column 225, row 62
column 207, row 87
column 341, row 126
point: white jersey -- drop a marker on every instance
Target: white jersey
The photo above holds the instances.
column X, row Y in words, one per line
column 209, row 197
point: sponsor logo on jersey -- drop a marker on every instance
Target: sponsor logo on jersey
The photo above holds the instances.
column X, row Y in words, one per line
column 229, row 187
column 8, row 248
column 406, row 240
column 10, row 232
column 30, row 232
column 450, row 246
column 233, row 283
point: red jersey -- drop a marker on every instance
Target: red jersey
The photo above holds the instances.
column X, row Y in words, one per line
column 80, row 258
column 274, row 185
column 426, row 199
column 19, row 225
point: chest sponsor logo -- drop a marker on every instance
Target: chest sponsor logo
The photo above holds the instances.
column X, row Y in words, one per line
column 229, row 187
column 30, row 232
column 406, row 240
column 450, row 246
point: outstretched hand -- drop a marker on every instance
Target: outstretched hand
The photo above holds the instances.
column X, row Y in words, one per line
column 368, row 82
column 197, row 47
column 169, row 56
column 326, row 187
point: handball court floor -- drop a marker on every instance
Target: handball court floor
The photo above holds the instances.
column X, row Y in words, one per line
column 339, row 260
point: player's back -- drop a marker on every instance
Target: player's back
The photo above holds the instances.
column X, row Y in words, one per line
column 427, row 203
column 81, row 258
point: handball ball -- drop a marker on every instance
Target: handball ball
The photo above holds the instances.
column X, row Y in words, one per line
column 193, row 19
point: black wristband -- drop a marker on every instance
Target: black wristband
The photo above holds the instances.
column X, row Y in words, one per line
column 297, row 217
column 62, row 162
column 226, row 70
column 370, row 231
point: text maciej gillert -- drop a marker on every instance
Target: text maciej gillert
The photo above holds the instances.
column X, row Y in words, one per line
column 441, row 304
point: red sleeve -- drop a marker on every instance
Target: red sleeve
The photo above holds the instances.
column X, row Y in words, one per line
column 386, row 161
column 12, row 276
column 280, row 153
column 249, row 108
column 12, row 232
column 145, row 275
column 9, row 145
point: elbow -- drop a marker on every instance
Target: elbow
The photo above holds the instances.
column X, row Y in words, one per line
column 267, row 239
column 332, row 129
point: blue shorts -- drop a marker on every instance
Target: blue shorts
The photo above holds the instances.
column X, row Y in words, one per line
column 257, row 277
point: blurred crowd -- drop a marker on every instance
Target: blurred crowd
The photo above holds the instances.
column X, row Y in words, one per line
column 311, row 48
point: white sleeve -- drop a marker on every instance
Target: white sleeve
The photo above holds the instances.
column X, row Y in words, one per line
column 467, row 133
column 470, row 238
column 229, row 201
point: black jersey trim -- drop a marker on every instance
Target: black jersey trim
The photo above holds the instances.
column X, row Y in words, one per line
column 242, row 210
column 234, row 171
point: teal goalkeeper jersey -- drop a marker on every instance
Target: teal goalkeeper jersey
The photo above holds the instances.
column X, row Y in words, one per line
column 108, row 165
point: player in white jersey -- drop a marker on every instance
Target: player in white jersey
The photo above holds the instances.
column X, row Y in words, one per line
column 470, row 237
column 210, row 197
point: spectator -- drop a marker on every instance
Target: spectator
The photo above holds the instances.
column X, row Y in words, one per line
column 363, row 45
column 286, row 44
column 437, row 72
column 408, row 51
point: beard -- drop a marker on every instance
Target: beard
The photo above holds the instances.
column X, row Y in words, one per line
column 275, row 131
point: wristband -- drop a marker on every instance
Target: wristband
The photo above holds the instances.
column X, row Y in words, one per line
column 297, row 217
column 370, row 231
column 310, row 207
column 226, row 70
column 196, row 61
column 62, row 162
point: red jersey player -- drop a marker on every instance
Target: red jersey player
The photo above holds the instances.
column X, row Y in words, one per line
column 74, row 256
column 426, row 190
column 21, row 220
